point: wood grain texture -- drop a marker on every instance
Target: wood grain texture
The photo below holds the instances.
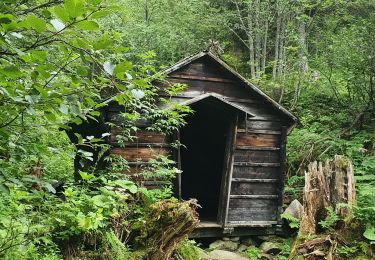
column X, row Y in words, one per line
column 134, row 154
column 246, row 188
column 241, row 155
column 141, row 136
column 261, row 140
column 253, row 214
column 256, row 172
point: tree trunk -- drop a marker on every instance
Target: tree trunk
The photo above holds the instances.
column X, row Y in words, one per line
column 326, row 186
column 277, row 41
column 250, row 34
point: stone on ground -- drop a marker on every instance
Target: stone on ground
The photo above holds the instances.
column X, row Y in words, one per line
column 225, row 245
column 248, row 241
column 294, row 209
column 235, row 239
column 270, row 248
column 242, row 248
column 216, row 244
column 224, row 255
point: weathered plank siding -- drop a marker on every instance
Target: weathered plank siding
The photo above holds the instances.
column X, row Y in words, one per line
column 257, row 155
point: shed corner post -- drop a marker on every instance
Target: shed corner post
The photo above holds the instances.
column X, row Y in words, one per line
column 283, row 141
column 177, row 158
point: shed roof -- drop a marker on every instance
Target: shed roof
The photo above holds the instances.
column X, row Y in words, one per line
column 251, row 86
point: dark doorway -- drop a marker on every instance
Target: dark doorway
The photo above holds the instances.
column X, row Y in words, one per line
column 202, row 160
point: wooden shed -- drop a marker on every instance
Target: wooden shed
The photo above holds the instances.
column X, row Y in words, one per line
column 234, row 158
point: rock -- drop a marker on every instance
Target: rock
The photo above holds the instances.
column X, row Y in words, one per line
column 235, row 239
column 225, row 245
column 270, row 248
column 266, row 257
column 203, row 254
column 216, row 244
column 242, row 248
column 224, row 255
column 249, row 241
column 294, row 209
column 229, row 245
column 226, row 238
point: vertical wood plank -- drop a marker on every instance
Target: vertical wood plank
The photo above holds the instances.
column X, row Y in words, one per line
column 223, row 187
column 230, row 172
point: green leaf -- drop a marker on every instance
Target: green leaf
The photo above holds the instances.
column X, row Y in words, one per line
column 128, row 185
column 64, row 109
column 50, row 188
column 34, row 22
column 86, row 176
column 104, row 42
column 57, row 24
column 61, row 13
column 74, row 7
column 41, row 90
column 121, row 68
column 100, row 14
column 88, row 25
column 370, row 233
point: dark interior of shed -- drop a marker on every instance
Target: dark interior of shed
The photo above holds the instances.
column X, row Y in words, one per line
column 202, row 160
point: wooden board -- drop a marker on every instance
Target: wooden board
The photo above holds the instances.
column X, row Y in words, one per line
column 261, row 140
column 222, row 88
column 203, row 67
column 254, row 124
column 253, row 214
column 251, row 203
column 252, row 172
column 133, row 154
column 248, row 188
column 141, row 136
column 256, row 156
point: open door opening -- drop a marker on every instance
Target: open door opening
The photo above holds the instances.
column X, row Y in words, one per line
column 202, row 160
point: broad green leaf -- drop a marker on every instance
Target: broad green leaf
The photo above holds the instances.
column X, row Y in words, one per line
column 74, row 7
column 82, row 71
column 104, row 42
column 57, row 24
column 50, row 116
column 50, row 188
column 64, row 109
column 41, row 90
column 6, row 18
column 86, row 176
column 370, row 233
column 38, row 56
column 100, row 14
column 34, row 22
column 61, row 13
column 121, row 68
column 109, row 67
column 88, row 25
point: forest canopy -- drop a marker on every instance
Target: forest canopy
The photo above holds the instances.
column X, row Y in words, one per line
column 61, row 61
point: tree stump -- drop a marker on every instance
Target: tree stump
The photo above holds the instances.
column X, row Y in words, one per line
column 326, row 186
column 169, row 223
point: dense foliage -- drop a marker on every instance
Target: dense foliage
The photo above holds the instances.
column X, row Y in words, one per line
column 60, row 62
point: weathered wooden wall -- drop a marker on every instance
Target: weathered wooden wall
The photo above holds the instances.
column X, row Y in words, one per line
column 256, row 187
